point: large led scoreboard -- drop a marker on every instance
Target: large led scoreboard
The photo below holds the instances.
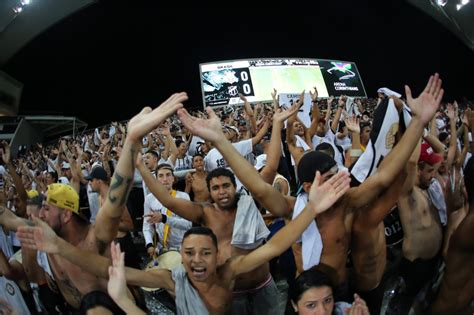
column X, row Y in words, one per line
column 222, row 81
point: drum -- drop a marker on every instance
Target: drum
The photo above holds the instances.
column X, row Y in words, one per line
column 393, row 227
column 168, row 260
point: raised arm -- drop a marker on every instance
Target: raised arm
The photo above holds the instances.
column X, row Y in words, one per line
column 262, row 132
column 42, row 237
column 108, row 218
column 452, row 114
column 184, row 208
column 210, row 129
column 340, row 107
column 20, row 189
column 274, row 148
column 321, row 197
column 250, row 113
column 315, row 114
column 423, row 108
column 353, row 126
column 117, row 285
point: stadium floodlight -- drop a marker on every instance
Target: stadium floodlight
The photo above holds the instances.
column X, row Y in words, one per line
column 442, row 2
column 464, row 2
column 459, row 6
column 17, row 9
column 25, row 2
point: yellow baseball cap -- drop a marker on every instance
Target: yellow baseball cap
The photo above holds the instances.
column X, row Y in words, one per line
column 32, row 193
column 63, row 196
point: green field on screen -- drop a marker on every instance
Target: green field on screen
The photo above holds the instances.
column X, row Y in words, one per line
column 286, row 80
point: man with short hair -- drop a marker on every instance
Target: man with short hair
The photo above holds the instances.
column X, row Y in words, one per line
column 61, row 208
column 196, row 181
column 423, row 234
column 201, row 285
column 168, row 226
column 329, row 245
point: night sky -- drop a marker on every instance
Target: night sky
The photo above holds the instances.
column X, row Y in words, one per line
column 108, row 61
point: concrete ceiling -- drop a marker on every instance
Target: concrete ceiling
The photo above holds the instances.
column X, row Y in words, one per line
column 459, row 20
column 17, row 29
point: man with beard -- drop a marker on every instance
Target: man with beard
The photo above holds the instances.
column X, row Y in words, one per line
column 61, row 209
column 201, row 285
column 423, row 234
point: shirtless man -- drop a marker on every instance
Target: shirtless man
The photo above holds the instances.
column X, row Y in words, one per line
column 457, row 288
column 423, row 234
column 60, row 210
column 201, row 283
column 336, row 224
column 220, row 217
column 196, row 181
column 368, row 246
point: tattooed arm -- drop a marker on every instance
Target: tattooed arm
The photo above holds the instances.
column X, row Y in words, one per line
column 108, row 218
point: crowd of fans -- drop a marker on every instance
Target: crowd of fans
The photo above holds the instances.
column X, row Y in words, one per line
column 238, row 196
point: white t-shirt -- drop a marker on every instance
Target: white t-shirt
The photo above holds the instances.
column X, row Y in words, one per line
column 214, row 158
column 178, row 225
column 9, row 291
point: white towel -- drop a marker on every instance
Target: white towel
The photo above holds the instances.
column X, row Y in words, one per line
column 300, row 143
column 311, row 238
column 249, row 228
column 389, row 92
column 188, row 300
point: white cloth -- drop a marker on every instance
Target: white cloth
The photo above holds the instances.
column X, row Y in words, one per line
column 184, row 163
column 193, row 146
column 9, row 291
column 178, row 225
column 312, row 243
column 386, row 120
column 214, row 158
column 93, row 198
column 388, row 92
column 435, row 192
column 329, row 138
column 249, row 228
column 299, row 143
column 188, row 300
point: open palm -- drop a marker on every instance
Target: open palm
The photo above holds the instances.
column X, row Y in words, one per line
column 209, row 129
column 426, row 104
column 39, row 237
column 149, row 119
column 323, row 195
column 117, row 286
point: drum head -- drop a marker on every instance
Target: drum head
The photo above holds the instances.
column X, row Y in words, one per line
column 168, row 260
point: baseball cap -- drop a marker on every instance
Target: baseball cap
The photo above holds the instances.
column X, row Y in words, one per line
column 34, row 198
column 311, row 162
column 427, row 155
column 63, row 196
column 97, row 172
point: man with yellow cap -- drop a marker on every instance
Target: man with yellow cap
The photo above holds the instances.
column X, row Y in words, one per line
column 61, row 209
